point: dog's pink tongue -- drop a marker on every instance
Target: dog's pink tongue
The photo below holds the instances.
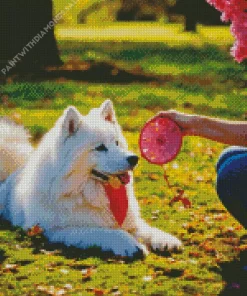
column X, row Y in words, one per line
column 124, row 178
column 118, row 202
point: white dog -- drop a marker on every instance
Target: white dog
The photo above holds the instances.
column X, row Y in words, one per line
column 77, row 185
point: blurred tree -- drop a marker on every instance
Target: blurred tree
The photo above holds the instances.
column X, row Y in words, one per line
column 92, row 7
column 20, row 22
column 196, row 11
column 189, row 8
column 148, row 10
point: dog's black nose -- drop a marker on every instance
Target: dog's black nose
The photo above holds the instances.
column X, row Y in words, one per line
column 132, row 160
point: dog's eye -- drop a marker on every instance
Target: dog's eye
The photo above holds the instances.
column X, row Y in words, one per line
column 117, row 143
column 102, row 147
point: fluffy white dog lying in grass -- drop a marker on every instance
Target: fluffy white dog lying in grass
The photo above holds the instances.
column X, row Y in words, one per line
column 77, row 185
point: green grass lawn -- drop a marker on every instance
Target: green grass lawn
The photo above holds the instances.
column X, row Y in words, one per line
column 145, row 32
column 205, row 80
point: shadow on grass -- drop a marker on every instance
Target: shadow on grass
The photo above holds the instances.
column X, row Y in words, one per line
column 88, row 71
column 2, row 256
column 40, row 245
column 136, row 51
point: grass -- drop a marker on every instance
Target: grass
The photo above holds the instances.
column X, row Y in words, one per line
column 204, row 80
column 137, row 32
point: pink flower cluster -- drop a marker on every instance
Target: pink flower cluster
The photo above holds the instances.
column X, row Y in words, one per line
column 236, row 12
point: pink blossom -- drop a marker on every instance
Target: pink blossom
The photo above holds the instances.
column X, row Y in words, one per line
column 235, row 11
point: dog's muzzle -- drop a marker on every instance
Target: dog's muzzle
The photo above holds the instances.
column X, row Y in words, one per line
column 123, row 178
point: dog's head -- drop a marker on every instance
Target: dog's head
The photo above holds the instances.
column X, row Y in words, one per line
column 94, row 144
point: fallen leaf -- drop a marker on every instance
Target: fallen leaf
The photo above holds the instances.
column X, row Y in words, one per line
column 133, row 112
column 64, row 271
column 190, row 277
column 220, row 217
column 153, row 177
column 208, row 247
column 35, row 230
column 175, row 165
column 241, row 248
column 50, row 253
column 87, row 273
column 60, row 292
column 41, row 288
column 147, row 278
column 199, row 179
column 231, row 241
column 99, row 292
column 51, row 290
column 155, row 212
column 209, row 151
column 194, row 254
column 10, row 268
column 68, row 287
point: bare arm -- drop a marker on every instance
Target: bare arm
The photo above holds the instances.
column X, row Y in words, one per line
column 227, row 132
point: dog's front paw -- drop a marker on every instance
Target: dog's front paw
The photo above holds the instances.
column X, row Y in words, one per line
column 161, row 241
column 125, row 245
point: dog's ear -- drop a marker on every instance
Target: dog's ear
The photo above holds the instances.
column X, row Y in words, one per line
column 107, row 111
column 71, row 120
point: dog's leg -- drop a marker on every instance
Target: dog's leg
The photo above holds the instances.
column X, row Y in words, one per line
column 156, row 238
column 119, row 242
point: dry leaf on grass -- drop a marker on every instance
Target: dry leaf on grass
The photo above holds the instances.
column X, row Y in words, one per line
column 35, row 230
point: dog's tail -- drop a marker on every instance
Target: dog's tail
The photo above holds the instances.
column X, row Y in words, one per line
column 15, row 147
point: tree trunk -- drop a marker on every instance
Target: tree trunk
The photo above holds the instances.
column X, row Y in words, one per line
column 128, row 10
column 190, row 24
column 190, row 9
column 20, row 22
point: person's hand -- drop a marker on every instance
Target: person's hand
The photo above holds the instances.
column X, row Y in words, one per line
column 222, row 131
column 188, row 124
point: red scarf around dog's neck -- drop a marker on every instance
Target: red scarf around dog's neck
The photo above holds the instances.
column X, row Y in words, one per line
column 118, row 202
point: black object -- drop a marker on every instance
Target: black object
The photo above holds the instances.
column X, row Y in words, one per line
column 20, row 22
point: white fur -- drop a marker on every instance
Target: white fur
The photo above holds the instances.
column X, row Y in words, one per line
column 56, row 189
column 14, row 147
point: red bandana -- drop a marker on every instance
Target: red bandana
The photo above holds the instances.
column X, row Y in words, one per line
column 118, row 202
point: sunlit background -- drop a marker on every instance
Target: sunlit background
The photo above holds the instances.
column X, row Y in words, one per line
column 146, row 56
